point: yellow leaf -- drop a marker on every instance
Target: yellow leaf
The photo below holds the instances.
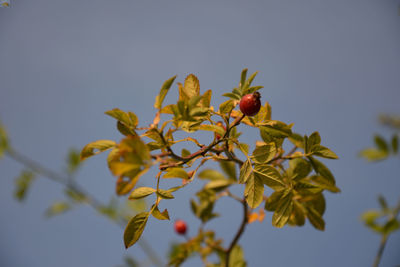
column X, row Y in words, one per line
column 252, row 217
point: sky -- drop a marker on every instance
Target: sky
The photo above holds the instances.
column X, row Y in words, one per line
column 326, row 66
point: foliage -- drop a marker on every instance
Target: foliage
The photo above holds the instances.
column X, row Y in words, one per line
column 383, row 221
column 290, row 184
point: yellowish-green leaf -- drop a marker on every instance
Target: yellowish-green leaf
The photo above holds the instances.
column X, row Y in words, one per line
column 213, row 128
column 264, row 153
column 229, row 168
column 324, row 152
column 163, row 92
column 321, row 169
column 176, row 173
column 135, row 228
column 164, row 194
column 218, row 184
column 160, row 215
column 96, row 148
column 191, row 88
column 245, row 172
column 211, row 174
column 272, row 201
column 283, row 209
column 226, row 106
column 57, row 208
column 254, row 191
column 129, row 119
column 315, row 218
column 373, row 154
column 141, row 192
column 22, row 184
column 269, row 176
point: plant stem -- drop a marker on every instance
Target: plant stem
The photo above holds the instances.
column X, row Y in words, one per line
column 238, row 233
column 384, row 239
column 73, row 186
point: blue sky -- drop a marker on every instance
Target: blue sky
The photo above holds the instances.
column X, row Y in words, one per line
column 327, row 66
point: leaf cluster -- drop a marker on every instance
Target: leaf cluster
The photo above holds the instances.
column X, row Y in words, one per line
column 289, row 183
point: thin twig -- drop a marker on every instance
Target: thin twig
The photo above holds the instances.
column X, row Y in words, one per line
column 238, row 233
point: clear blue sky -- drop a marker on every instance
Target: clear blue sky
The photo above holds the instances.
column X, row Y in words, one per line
column 330, row 66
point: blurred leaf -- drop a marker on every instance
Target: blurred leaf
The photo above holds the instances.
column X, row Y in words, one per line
column 321, row 169
column 236, row 257
column 57, row 208
column 313, row 139
column 164, row 194
column 373, row 154
column 297, row 140
column 211, row 174
column 141, row 192
column 73, row 160
column 243, row 78
column 276, row 128
column 226, row 106
column 272, row 201
column 229, row 168
column 299, row 168
column 213, row 128
column 395, row 143
column 135, row 228
column 129, row 119
column 100, row 145
column 381, row 143
column 163, row 92
column 75, row 196
column 382, row 203
column 22, row 183
column 3, row 140
column 176, row 173
column 218, row 184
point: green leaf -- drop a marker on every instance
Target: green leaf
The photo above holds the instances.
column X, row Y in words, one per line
column 315, row 218
column 254, row 191
column 176, row 173
column 324, row 183
column 191, row 88
column 264, row 153
column 75, row 196
column 276, row 129
column 272, row 201
column 229, row 169
column 243, row 78
column 297, row 140
column 211, row 174
column 313, row 139
column 395, row 144
column 381, row 143
column 218, row 184
column 373, row 154
column 321, row 169
column 164, row 194
column 283, row 209
column 245, row 172
column 141, row 192
column 3, row 140
column 299, row 168
column 163, row 92
column 269, row 176
column 383, row 203
column 324, row 152
column 57, row 208
column 73, row 161
column 23, row 183
column 232, row 96
column 135, row 228
column 236, row 257
column 99, row 145
column 160, row 215
column 226, row 107
column 213, row 128
column 129, row 119
column 298, row 216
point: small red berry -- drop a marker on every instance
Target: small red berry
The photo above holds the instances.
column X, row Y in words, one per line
column 250, row 104
column 180, row 227
column 220, row 123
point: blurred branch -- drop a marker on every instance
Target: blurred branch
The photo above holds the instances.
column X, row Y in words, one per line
column 73, row 186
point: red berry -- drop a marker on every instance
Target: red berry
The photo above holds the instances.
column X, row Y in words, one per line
column 250, row 104
column 180, row 227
